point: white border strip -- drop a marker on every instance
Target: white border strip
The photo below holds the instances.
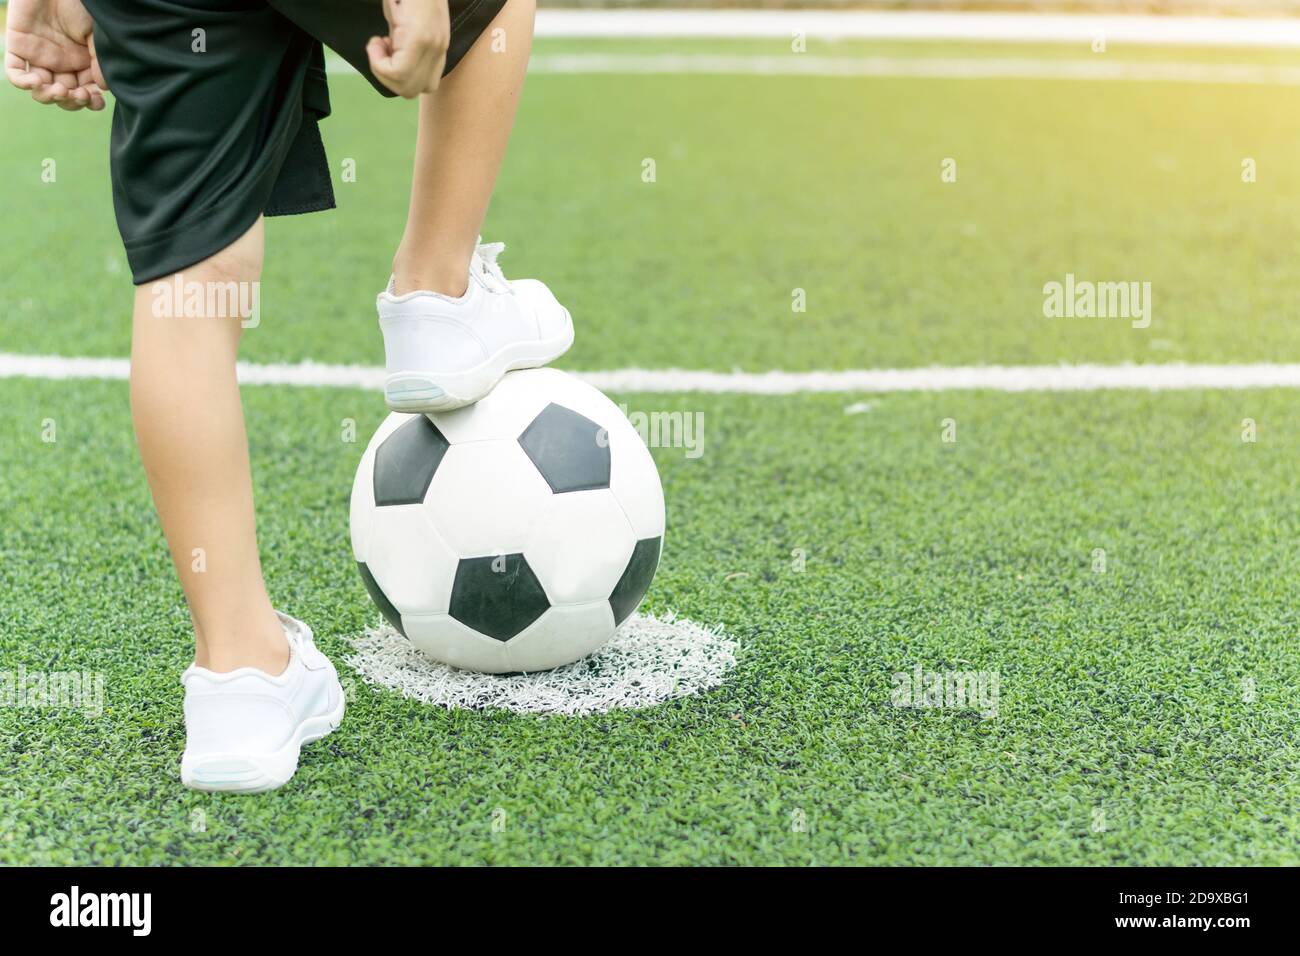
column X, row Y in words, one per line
column 997, row 378
column 921, row 25
column 831, row 25
column 915, row 67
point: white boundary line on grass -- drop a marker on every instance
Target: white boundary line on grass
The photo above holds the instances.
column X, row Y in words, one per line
column 997, row 378
column 911, row 25
column 921, row 25
column 1082, row 30
column 956, row 68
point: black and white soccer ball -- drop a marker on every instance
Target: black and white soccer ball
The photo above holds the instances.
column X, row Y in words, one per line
column 512, row 535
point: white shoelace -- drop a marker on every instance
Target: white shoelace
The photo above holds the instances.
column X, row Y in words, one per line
column 485, row 260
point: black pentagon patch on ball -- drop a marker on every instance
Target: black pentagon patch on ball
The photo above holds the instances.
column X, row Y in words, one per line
column 636, row 579
column 377, row 595
column 570, row 450
column 406, row 461
column 498, row 595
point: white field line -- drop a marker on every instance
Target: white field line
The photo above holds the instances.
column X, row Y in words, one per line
column 921, row 25
column 911, row 67
column 997, row 378
column 952, row 68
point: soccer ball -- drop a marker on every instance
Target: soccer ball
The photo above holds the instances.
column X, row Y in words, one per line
column 512, row 535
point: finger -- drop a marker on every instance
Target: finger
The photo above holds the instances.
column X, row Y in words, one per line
column 404, row 68
column 87, row 96
column 394, row 67
column 379, row 52
column 48, row 93
column 43, row 76
column 95, row 70
column 74, row 98
column 393, row 79
column 17, row 72
column 94, row 93
column 32, row 77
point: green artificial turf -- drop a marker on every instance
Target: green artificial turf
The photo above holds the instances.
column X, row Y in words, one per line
column 763, row 185
column 1146, row 712
column 1123, row 692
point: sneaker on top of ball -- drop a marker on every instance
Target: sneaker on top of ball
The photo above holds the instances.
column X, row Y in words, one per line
column 244, row 728
column 443, row 352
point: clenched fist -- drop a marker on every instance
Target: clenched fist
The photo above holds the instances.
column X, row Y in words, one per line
column 409, row 61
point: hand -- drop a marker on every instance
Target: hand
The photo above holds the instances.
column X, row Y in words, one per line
column 410, row 60
column 50, row 51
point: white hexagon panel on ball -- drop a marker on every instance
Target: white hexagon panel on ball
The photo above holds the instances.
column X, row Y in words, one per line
column 514, row 535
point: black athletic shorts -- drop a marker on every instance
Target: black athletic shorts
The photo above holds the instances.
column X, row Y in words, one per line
column 217, row 105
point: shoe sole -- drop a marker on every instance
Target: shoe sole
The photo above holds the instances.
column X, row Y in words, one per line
column 257, row 773
column 427, row 392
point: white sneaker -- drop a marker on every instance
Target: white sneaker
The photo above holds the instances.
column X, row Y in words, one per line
column 243, row 730
column 442, row 353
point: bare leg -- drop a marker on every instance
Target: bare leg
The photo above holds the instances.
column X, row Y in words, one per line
column 189, row 425
column 464, row 128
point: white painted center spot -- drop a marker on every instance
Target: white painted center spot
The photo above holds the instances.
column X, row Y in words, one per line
column 650, row 660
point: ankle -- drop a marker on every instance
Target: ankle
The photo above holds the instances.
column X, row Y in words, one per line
column 441, row 276
column 265, row 648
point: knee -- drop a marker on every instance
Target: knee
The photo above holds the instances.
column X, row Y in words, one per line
column 225, row 285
